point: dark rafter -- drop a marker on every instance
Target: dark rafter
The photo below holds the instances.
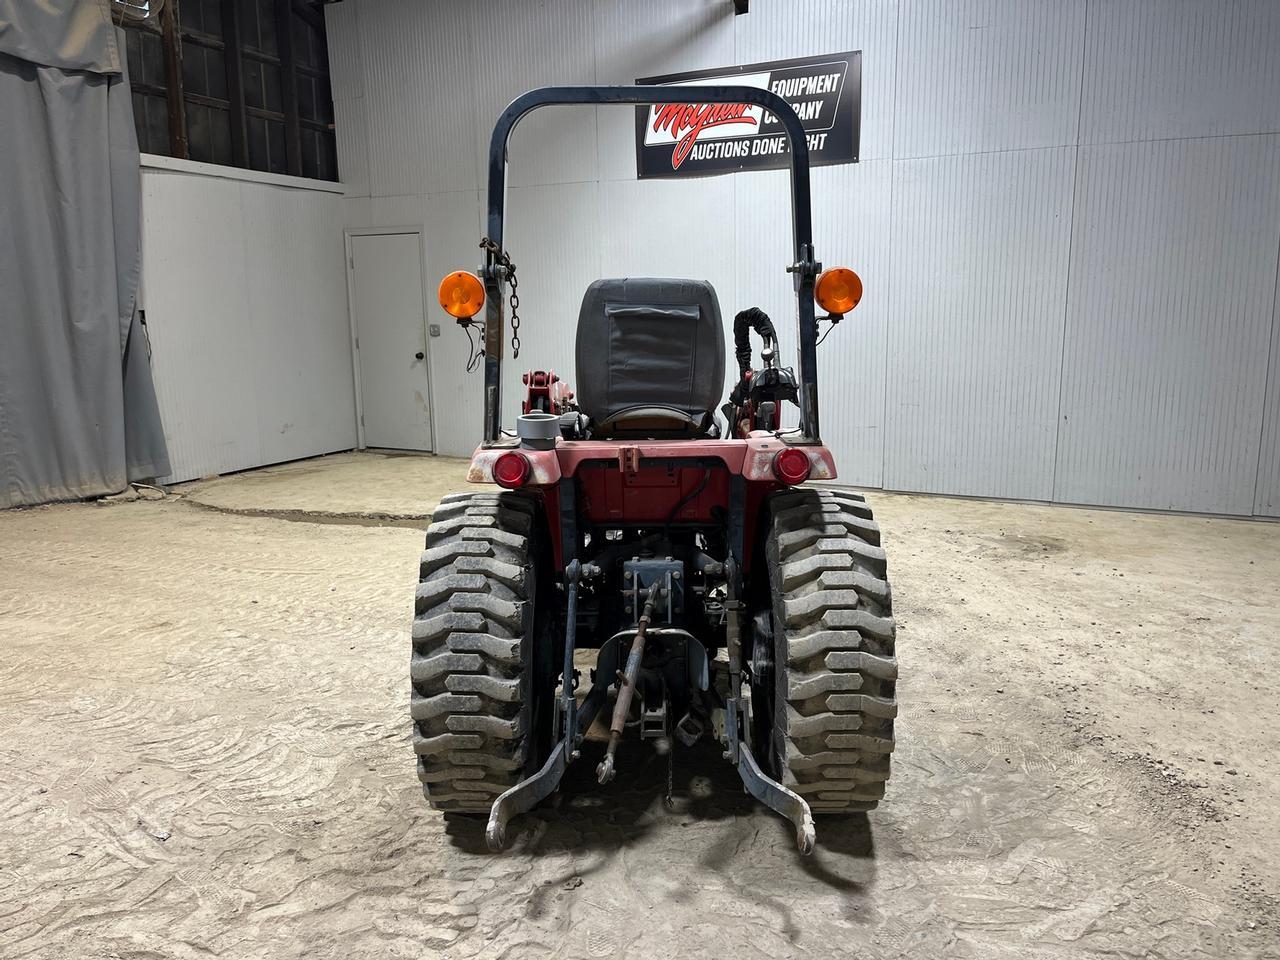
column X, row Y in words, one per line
column 233, row 37
column 173, row 82
column 289, row 86
column 224, row 118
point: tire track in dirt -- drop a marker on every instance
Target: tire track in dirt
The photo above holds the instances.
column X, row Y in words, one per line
column 190, row 773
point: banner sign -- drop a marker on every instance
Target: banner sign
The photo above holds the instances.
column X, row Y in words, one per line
column 702, row 139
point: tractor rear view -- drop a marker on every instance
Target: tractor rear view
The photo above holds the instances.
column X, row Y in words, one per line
column 677, row 537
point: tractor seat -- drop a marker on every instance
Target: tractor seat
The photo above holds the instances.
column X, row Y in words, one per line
column 650, row 358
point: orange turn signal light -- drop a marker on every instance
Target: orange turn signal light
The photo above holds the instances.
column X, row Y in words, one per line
column 838, row 290
column 461, row 294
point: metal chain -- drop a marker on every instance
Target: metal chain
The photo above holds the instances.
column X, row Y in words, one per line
column 504, row 260
column 515, row 307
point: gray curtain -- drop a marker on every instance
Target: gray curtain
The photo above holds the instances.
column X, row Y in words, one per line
column 78, row 413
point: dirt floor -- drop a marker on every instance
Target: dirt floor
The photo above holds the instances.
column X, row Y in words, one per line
column 204, row 749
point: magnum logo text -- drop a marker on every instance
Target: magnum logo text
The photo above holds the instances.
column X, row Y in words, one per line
column 701, row 139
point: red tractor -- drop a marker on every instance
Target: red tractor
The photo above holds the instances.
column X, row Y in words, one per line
column 723, row 596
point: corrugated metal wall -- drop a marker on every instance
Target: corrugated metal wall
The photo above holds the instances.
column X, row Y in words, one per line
column 1169, row 316
column 1067, row 218
column 1267, row 500
column 975, row 327
column 245, row 297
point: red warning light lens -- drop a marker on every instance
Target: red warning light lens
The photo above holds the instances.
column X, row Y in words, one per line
column 791, row 466
column 511, row 470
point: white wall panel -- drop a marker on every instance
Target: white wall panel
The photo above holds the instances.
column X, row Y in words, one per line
column 346, row 79
column 1173, row 279
column 357, row 211
column 978, row 75
column 300, row 343
column 551, row 42
column 346, row 50
column 852, row 227
column 453, row 230
column 402, row 211
column 977, row 120
column 549, row 234
column 978, row 278
column 352, row 146
column 246, row 309
column 634, row 40
column 779, row 31
column 1156, row 70
column 420, row 64
column 669, row 228
column 199, row 322
column 1267, row 498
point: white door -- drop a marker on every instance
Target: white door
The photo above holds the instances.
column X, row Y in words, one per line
column 391, row 341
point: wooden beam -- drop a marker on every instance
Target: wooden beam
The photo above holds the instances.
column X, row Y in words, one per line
column 173, row 80
column 233, row 38
column 309, row 14
column 289, row 86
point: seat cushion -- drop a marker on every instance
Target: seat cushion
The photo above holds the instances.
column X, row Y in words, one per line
column 649, row 344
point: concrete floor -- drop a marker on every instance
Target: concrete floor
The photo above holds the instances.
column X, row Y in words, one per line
column 204, row 746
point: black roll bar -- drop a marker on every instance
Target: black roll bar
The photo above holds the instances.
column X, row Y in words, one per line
column 804, row 268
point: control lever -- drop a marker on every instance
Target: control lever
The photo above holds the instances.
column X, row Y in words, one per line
column 769, row 353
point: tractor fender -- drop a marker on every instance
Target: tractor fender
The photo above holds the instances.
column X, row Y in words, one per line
column 763, row 446
column 544, row 467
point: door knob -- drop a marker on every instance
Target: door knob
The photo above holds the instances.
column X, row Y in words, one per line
column 419, row 355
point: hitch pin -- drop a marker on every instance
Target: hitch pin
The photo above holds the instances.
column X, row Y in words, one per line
column 627, row 687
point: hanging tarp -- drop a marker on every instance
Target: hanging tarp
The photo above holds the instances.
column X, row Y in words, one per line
column 78, row 414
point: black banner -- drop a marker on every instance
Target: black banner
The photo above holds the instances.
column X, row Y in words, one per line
column 699, row 140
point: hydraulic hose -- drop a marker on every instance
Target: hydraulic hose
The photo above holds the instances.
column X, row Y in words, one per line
column 752, row 318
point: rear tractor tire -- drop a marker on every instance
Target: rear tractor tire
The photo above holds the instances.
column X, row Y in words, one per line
column 834, row 669
column 480, row 702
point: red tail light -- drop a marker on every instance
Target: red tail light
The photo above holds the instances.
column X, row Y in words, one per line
column 791, row 466
column 511, row 470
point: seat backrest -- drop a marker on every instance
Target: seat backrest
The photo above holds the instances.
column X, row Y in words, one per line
column 650, row 357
